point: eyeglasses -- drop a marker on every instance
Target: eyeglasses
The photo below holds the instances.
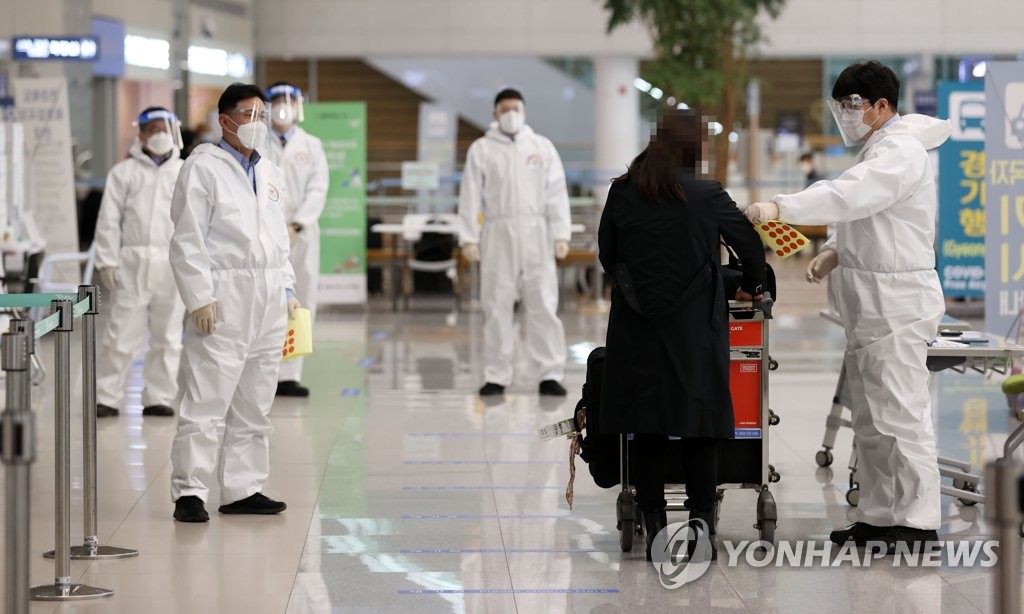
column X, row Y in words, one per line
column 853, row 102
column 253, row 114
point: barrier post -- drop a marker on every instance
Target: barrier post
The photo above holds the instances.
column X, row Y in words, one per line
column 62, row 588
column 1002, row 506
column 17, row 450
column 91, row 548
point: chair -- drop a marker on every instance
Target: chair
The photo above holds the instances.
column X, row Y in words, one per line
column 415, row 225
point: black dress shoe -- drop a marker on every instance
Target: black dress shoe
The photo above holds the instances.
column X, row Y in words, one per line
column 551, row 388
column 654, row 522
column 859, row 533
column 254, row 504
column 291, row 388
column 190, row 509
column 709, row 521
column 491, row 389
column 157, row 410
column 106, row 411
column 909, row 538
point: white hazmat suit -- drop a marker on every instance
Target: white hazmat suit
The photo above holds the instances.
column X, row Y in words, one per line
column 513, row 203
column 133, row 235
column 889, row 297
column 230, row 245
column 304, row 164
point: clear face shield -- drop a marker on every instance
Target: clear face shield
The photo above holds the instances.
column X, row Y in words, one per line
column 250, row 122
column 285, row 105
column 159, row 132
column 848, row 112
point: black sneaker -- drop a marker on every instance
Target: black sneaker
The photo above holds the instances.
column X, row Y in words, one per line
column 551, row 388
column 291, row 388
column 157, row 410
column 106, row 411
column 491, row 389
column 254, row 504
column 859, row 532
column 909, row 538
column 190, row 509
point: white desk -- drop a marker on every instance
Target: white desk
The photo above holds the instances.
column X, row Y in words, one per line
column 996, row 356
column 412, row 232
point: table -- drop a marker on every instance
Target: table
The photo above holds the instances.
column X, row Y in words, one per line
column 995, row 356
column 438, row 225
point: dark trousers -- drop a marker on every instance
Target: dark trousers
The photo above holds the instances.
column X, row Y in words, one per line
column 649, row 461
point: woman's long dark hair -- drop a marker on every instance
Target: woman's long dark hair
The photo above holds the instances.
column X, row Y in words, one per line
column 675, row 148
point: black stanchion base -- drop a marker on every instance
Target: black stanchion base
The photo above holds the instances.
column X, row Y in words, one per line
column 97, row 553
column 68, row 592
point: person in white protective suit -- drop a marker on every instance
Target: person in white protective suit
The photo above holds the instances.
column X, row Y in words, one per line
column 301, row 157
column 229, row 253
column 514, row 219
column 133, row 233
column 883, row 260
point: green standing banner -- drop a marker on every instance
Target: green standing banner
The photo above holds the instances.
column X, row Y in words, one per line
column 342, row 128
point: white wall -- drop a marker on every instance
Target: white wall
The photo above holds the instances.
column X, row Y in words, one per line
column 865, row 28
column 360, row 28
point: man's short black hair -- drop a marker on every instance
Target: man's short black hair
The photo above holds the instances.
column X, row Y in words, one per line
column 872, row 80
column 236, row 93
column 807, row 157
column 508, row 94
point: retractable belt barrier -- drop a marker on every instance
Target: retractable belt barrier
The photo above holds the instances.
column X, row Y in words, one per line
column 18, row 445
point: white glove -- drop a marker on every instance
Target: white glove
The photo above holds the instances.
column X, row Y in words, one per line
column 561, row 249
column 108, row 277
column 293, row 305
column 762, row 212
column 471, row 252
column 821, row 265
column 205, row 318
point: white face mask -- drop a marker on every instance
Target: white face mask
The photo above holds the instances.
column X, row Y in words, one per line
column 252, row 135
column 160, row 144
column 853, row 126
column 511, row 122
column 283, row 114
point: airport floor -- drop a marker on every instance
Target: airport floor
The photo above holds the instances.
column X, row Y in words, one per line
column 406, row 493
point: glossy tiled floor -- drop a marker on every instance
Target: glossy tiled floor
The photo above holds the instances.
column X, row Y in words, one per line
column 406, row 493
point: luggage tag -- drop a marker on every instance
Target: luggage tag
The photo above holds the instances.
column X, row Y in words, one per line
column 299, row 339
column 565, row 428
column 781, row 238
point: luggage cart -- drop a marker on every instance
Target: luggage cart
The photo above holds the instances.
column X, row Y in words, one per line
column 996, row 356
column 743, row 460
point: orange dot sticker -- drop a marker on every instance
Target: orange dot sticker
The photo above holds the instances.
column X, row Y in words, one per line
column 291, row 333
column 799, row 241
column 786, row 249
column 284, row 352
column 764, row 227
column 784, row 227
column 779, row 252
column 778, row 241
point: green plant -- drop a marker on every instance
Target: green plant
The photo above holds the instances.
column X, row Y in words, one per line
column 701, row 48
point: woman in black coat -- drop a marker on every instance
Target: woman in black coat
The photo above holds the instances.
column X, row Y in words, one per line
column 667, row 364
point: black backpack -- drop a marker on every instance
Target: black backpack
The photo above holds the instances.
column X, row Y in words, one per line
column 599, row 450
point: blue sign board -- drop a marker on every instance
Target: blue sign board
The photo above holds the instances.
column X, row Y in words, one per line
column 62, row 48
column 110, row 59
column 1004, row 226
column 962, row 191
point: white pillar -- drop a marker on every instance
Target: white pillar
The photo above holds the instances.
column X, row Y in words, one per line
column 616, row 119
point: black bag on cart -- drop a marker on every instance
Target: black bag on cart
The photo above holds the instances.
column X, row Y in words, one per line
column 732, row 276
column 599, row 450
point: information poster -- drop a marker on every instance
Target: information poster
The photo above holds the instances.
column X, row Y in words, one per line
column 1004, row 226
column 342, row 128
column 42, row 107
column 961, row 244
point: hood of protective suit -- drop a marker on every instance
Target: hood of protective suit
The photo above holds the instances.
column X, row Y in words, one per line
column 929, row 131
column 494, row 132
